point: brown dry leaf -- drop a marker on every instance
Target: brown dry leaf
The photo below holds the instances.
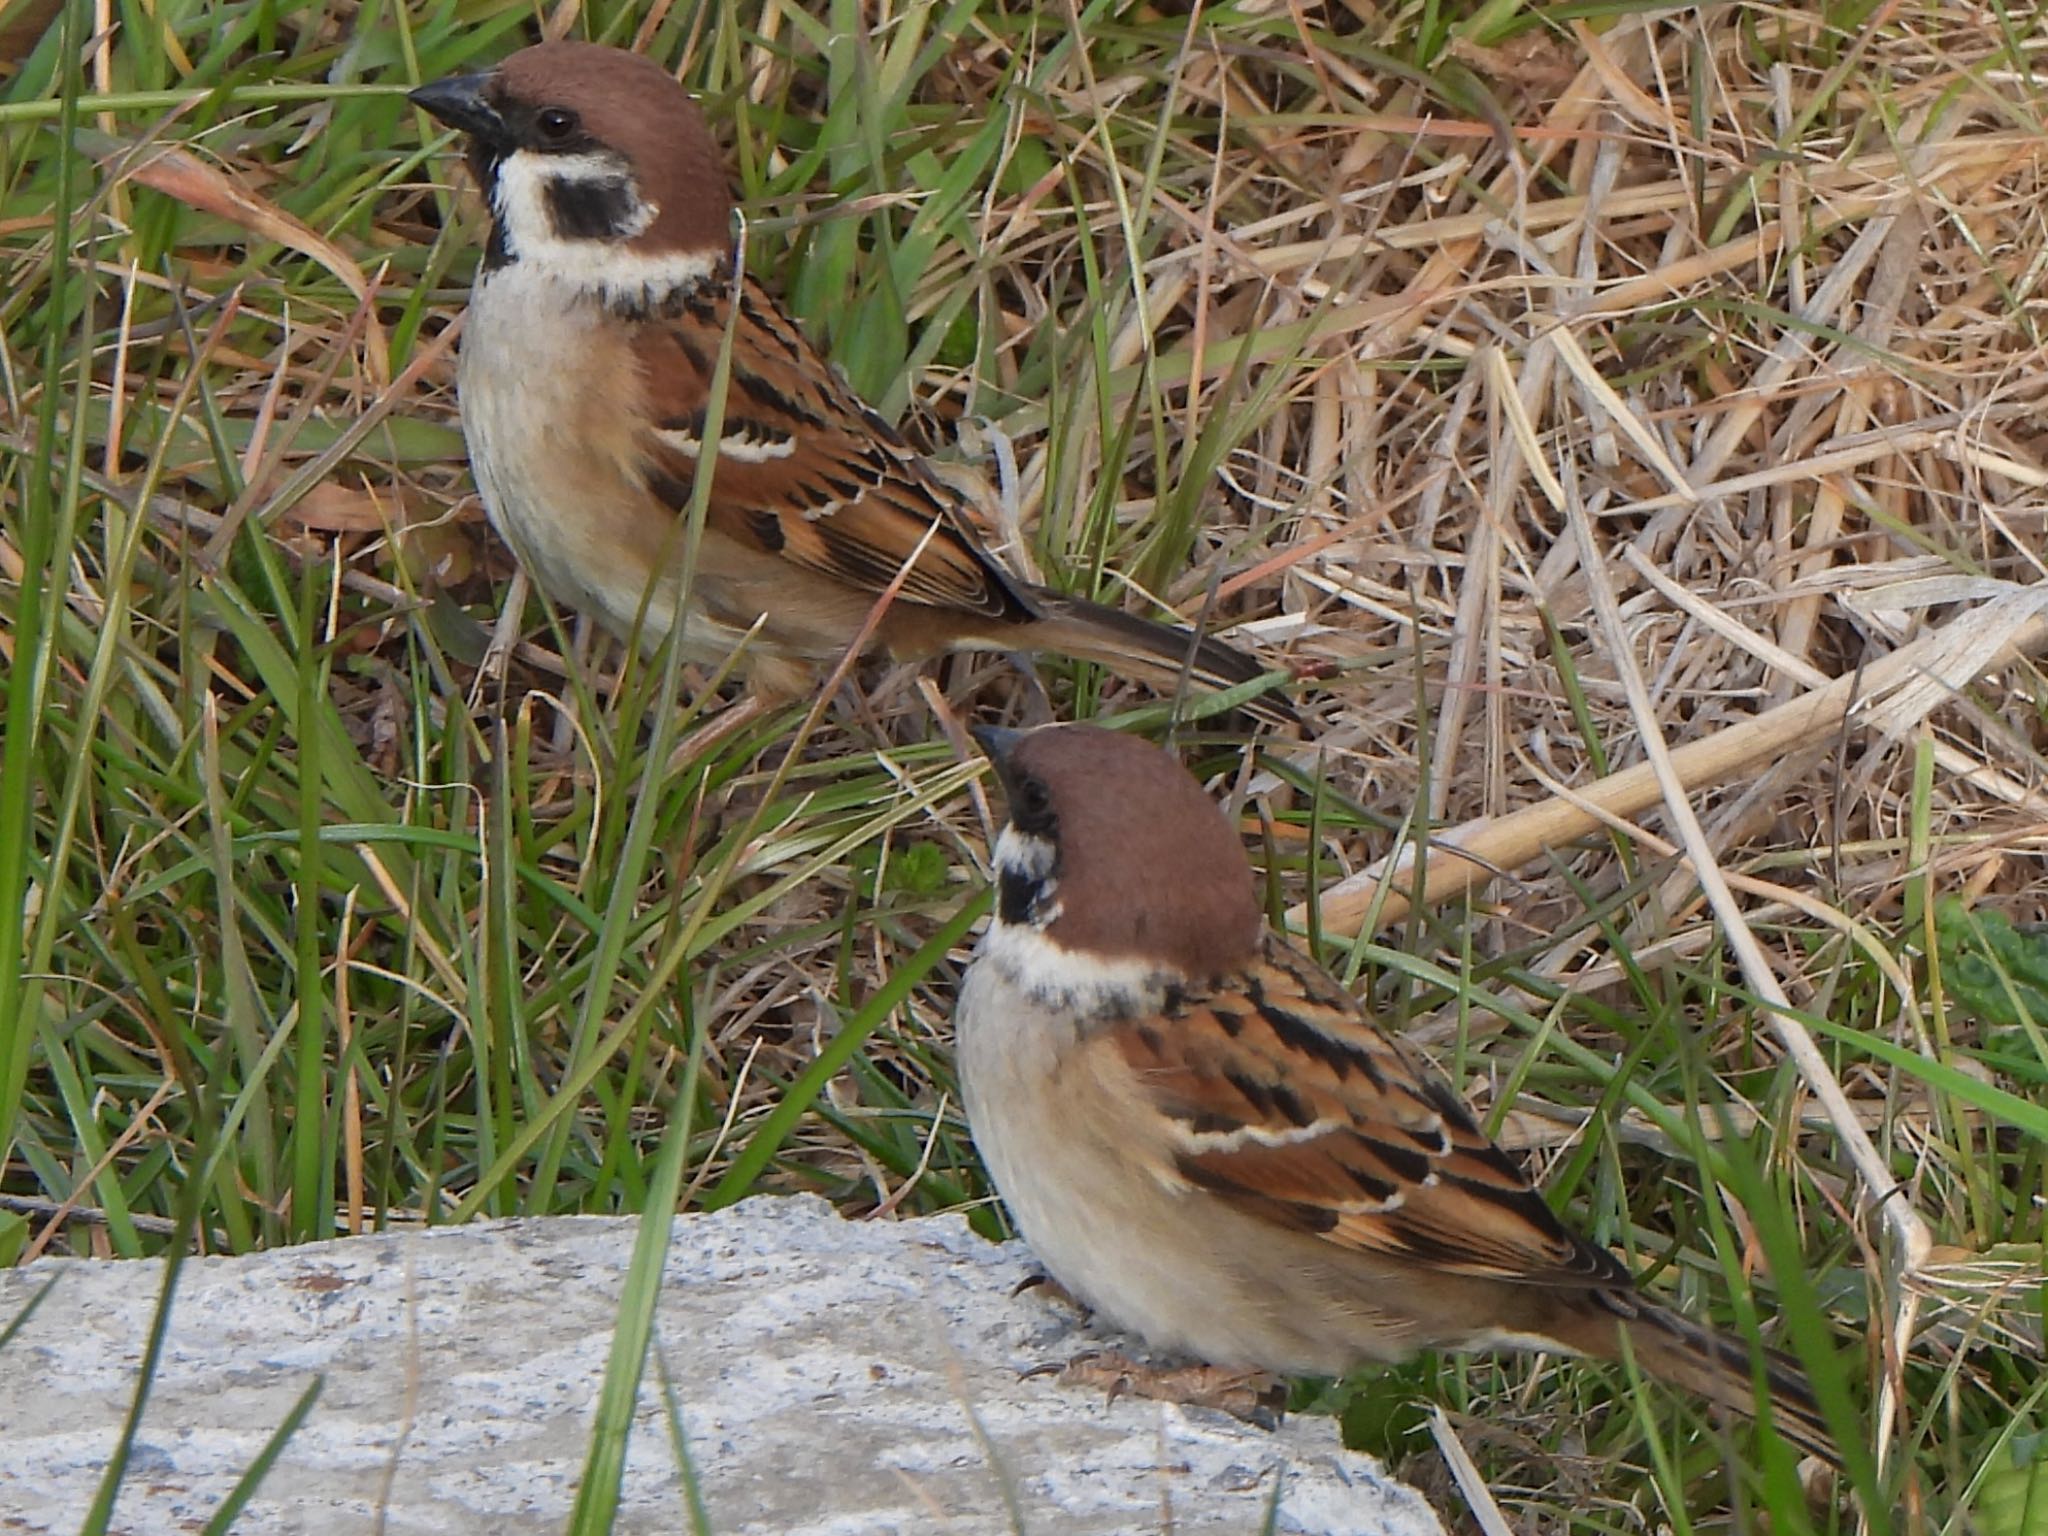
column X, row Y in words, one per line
column 1536, row 60
column 440, row 553
column 334, row 508
column 179, row 173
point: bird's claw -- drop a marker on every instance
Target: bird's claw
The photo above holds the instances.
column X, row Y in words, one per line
column 1039, row 1280
column 1256, row 1397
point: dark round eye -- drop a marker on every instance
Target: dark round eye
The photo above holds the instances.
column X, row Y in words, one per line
column 1032, row 810
column 557, row 125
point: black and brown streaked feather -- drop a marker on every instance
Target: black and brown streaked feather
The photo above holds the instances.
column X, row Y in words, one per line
column 1288, row 1103
column 809, row 474
column 806, row 471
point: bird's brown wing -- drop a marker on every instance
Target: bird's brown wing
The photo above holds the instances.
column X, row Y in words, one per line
column 1278, row 1095
column 805, row 470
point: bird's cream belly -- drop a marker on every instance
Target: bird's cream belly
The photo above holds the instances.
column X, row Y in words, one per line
column 1159, row 1260
column 550, row 418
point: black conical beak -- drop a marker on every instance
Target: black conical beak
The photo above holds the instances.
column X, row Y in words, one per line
column 1001, row 743
column 998, row 741
column 461, row 101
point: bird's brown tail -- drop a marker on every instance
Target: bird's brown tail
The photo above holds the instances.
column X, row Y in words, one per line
column 1158, row 653
column 1714, row 1366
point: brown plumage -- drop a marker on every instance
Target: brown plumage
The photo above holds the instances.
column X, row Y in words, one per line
column 1202, row 1135
column 586, row 377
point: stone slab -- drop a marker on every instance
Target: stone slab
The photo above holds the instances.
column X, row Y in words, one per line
column 837, row 1378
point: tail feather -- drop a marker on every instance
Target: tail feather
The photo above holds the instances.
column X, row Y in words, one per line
column 1718, row 1368
column 1158, row 653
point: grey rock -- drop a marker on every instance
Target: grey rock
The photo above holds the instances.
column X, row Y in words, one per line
column 836, row 1379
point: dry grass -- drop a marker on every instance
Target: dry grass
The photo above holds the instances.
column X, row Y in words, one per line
column 1574, row 391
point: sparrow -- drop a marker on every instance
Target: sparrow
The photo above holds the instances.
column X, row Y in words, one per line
column 594, row 325
column 1207, row 1141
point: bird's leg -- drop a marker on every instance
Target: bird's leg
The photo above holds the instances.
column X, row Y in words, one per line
column 1258, row 1398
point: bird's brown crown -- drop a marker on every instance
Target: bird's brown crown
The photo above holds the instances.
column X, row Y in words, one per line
column 1146, row 867
column 594, row 161
column 571, row 98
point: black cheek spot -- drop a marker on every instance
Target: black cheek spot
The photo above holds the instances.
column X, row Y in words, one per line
column 592, row 210
column 1016, row 895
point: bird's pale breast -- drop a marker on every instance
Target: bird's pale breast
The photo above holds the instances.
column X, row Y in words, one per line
column 1096, row 1201
column 552, row 409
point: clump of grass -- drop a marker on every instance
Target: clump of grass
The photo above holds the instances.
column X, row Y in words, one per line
column 1358, row 322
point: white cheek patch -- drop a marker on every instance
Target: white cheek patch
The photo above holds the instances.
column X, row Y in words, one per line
column 1024, row 854
column 1070, row 980
column 608, row 267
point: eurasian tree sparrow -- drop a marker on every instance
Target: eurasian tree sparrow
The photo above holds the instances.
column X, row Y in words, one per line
column 586, row 371
column 1206, row 1140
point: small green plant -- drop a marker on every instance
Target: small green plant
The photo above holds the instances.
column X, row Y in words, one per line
column 1994, row 970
